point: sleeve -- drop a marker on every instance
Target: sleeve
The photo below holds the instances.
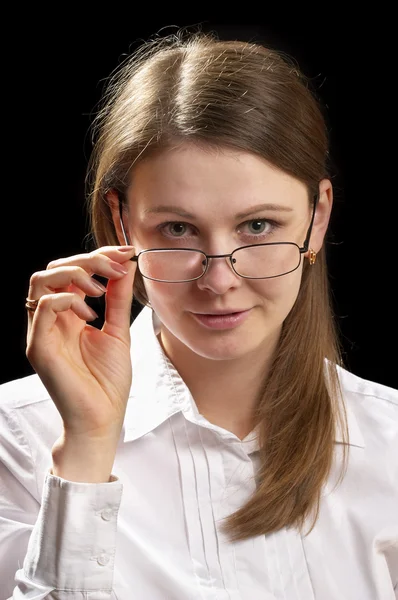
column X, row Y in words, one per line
column 62, row 548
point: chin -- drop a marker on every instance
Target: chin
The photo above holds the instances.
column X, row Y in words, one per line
column 221, row 354
column 222, row 345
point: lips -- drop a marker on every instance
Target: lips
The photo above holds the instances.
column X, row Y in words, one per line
column 222, row 313
column 221, row 320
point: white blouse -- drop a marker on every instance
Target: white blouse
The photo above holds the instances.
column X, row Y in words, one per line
column 152, row 533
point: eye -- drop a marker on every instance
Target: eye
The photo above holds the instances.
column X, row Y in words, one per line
column 177, row 228
column 174, row 228
column 258, row 227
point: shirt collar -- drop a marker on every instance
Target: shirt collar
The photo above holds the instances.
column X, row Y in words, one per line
column 158, row 391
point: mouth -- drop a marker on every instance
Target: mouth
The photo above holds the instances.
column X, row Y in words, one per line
column 223, row 313
column 225, row 320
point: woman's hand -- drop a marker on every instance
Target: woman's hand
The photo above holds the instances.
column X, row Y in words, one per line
column 86, row 371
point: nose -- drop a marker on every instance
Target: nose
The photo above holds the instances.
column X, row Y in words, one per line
column 220, row 276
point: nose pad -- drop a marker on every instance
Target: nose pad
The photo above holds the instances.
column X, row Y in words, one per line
column 216, row 277
column 219, row 259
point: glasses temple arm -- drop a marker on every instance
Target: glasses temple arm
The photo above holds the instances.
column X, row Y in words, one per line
column 121, row 222
column 308, row 236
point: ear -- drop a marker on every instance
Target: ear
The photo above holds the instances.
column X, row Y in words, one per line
column 113, row 202
column 322, row 215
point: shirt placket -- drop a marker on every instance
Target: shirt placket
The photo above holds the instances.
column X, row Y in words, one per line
column 266, row 567
column 196, row 496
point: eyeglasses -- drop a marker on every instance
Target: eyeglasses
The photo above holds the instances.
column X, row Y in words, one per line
column 255, row 261
column 258, row 261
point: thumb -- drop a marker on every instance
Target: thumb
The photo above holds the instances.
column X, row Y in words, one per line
column 119, row 297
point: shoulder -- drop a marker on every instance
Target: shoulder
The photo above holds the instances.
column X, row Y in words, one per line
column 29, row 425
column 375, row 408
column 26, row 399
column 364, row 388
column 27, row 402
column 20, row 392
column 370, row 395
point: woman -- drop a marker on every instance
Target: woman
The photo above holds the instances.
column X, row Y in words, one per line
column 217, row 448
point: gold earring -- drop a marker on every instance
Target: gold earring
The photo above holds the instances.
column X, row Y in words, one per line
column 312, row 258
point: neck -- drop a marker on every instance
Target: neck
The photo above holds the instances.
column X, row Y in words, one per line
column 225, row 391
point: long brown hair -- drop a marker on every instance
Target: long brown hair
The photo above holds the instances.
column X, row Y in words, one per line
column 204, row 90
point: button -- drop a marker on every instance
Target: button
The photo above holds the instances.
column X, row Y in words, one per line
column 106, row 514
column 103, row 559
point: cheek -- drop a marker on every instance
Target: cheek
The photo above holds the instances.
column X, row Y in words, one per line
column 165, row 294
column 280, row 292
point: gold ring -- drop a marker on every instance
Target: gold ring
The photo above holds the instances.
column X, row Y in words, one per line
column 31, row 304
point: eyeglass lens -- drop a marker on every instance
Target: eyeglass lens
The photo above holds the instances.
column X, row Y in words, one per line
column 256, row 262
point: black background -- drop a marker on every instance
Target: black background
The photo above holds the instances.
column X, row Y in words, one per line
column 54, row 70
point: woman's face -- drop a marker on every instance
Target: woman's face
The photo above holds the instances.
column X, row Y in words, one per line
column 214, row 186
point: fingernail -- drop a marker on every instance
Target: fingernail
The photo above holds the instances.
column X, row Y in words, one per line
column 126, row 248
column 119, row 268
column 98, row 285
column 93, row 314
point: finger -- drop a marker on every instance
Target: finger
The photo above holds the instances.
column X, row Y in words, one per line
column 77, row 270
column 62, row 278
column 119, row 297
column 42, row 321
column 100, row 261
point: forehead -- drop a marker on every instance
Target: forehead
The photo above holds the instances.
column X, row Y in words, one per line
column 208, row 179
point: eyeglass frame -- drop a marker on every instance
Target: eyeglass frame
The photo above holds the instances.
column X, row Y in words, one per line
column 302, row 250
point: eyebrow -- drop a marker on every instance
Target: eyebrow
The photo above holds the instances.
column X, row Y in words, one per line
column 187, row 215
